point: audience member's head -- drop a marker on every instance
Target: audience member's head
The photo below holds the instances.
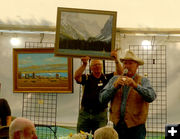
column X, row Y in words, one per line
column 22, row 128
column 105, row 133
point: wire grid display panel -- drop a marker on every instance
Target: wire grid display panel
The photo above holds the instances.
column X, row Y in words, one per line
column 156, row 70
column 41, row 108
column 39, row 44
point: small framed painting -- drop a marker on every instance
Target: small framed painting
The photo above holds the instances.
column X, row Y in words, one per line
column 37, row 70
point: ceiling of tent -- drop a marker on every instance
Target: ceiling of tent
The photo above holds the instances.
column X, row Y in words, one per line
column 130, row 13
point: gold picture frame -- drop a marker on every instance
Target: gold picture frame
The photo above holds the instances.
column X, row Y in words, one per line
column 37, row 70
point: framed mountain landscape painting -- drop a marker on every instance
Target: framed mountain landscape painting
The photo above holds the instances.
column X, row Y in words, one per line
column 37, row 70
column 82, row 32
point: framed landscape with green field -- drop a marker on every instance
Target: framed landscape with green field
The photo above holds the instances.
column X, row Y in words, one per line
column 84, row 32
column 38, row 70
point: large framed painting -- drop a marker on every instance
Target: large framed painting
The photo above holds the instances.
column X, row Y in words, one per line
column 82, row 32
column 38, row 70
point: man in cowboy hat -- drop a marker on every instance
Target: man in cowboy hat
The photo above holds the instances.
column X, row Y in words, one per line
column 130, row 95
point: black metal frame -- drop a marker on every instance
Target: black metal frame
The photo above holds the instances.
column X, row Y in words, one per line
column 41, row 108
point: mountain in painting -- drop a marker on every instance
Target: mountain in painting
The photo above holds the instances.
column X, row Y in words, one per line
column 106, row 31
column 73, row 27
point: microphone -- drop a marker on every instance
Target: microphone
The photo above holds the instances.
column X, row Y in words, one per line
column 125, row 71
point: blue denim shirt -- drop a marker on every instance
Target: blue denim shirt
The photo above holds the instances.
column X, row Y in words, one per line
column 108, row 92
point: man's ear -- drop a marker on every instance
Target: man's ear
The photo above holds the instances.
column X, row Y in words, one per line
column 17, row 135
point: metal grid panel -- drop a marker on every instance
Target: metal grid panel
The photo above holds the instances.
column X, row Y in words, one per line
column 41, row 108
column 39, row 44
column 110, row 66
column 155, row 69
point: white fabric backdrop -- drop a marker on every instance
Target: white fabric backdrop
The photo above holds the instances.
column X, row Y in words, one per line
column 68, row 104
column 131, row 13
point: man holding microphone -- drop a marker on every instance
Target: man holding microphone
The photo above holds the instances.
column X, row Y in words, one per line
column 130, row 95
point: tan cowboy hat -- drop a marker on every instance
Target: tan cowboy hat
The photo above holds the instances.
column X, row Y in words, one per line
column 131, row 56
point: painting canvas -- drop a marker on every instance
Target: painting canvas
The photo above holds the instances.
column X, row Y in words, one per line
column 81, row 32
column 38, row 70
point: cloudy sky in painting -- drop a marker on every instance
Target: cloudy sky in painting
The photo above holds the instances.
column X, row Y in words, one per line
column 39, row 59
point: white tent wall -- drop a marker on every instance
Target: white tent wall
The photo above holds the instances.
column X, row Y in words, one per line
column 68, row 104
column 131, row 13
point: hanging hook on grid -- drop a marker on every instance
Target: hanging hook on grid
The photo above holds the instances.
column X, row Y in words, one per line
column 41, row 37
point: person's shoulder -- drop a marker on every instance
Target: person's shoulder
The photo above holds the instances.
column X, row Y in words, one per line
column 143, row 78
column 86, row 77
column 109, row 75
column 114, row 77
column 3, row 99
